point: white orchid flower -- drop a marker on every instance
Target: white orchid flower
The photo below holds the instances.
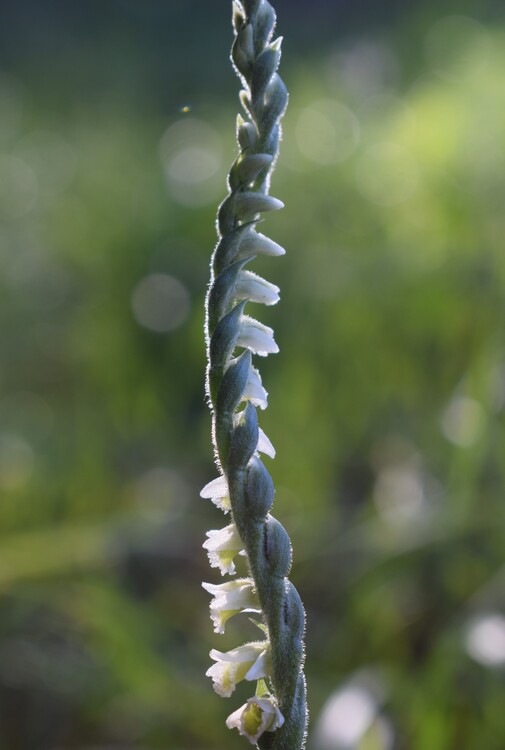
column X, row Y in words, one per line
column 255, row 717
column 230, row 599
column 222, row 546
column 217, row 492
column 257, row 337
column 249, row 662
column 254, row 391
column 252, row 287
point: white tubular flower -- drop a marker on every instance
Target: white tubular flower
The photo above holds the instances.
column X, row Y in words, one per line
column 255, row 717
column 265, row 444
column 252, row 287
column 256, row 337
column 217, row 492
column 222, row 545
column 255, row 243
column 230, row 599
column 248, row 204
column 249, row 662
column 254, row 391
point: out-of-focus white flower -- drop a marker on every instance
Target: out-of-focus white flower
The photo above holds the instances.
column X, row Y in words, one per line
column 249, row 662
column 230, row 599
column 256, row 337
column 222, row 545
column 217, row 492
column 255, row 717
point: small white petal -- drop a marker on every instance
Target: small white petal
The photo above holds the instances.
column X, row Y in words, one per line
column 256, row 337
column 222, row 545
column 254, row 391
column 261, row 667
column 256, row 289
column 234, row 720
column 217, row 492
column 255, row 243
column 265, row 445
column 217, row 488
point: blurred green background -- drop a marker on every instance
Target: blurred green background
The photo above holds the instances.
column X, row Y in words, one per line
column 386, row 401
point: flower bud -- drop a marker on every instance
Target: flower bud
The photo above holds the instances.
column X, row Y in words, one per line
column 276, row 547
column 249, row 204
column 244, row 438
column 254, row 243
column 233, row 384
column 251, row 165
column 259, row 489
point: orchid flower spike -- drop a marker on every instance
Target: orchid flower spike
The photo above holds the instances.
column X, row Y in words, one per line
column 276, row 718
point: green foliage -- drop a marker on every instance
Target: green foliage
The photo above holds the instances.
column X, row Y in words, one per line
column 388, row 408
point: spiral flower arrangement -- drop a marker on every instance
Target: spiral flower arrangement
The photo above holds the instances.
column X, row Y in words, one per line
column 276, row 716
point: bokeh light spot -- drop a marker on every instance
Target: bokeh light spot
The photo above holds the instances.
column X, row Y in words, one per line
column 399, row 495
column 161, row 490
column 191, row 154
column 53, row 160
column 365, row 67
column 160, row 303
column 463, row 421
column 455, row 45
column 345, row 718
column 327, row 132
column 485, row 640
column 192, row 165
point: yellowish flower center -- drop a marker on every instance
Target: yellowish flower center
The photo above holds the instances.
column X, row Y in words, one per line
column 252, row 719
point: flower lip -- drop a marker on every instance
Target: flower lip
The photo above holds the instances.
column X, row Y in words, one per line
column 254, row 390
column 217, row 491
column 257, row 337
column 254, row 288
column 249, row 662
column 231, row 598
column 258, row 715
column 222, row 546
